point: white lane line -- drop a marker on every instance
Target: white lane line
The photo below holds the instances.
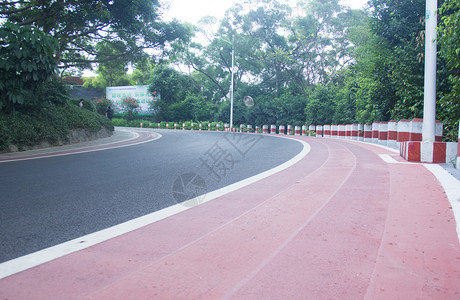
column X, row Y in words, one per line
column 44, row 155
column 452, row 188
column 388, row 158
column 37, row 258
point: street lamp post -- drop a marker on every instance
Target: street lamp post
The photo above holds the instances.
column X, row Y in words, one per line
column 231, row 84
column 231, row 89
column 429, row 97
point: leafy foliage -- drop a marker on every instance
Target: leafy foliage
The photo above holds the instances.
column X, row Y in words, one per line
column 26, row 61
column 449, row 41
column 130, row 106
column 52, row 123
column 133, row 24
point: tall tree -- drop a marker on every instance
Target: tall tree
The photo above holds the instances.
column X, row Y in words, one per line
column 449, row 41
column 78, row 24
column 26, row 61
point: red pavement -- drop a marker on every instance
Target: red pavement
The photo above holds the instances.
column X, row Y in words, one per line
column 339, row 224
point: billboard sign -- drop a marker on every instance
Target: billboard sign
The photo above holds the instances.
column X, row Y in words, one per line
column 138, row 92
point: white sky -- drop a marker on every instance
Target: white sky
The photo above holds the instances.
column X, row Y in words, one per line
column 193, row 10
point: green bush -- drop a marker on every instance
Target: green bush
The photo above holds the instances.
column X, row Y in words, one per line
column 204, row 125
column 49, row 122
column 134, row 123
column 87, row 104
column 101, row 105
column 188, row 125
column 119, row 122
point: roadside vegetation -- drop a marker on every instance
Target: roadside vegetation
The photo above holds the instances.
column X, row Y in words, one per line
column 314, row 63
column 40, row 41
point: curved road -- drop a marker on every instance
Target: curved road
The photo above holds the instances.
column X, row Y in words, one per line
column 341, row 223
column 51, row 200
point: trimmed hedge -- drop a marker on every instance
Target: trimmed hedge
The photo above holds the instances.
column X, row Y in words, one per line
column 51, row 123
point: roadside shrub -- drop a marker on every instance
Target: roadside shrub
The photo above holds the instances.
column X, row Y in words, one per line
column 130, row 106
column 188, row 125
column 119, row 122
column 87, row 104
column 49, row 122
column 101, row 105
column 134, row 123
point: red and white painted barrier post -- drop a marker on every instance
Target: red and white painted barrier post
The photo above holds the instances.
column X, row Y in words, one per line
column 159, row 125
column 438, row 131
column 200, row 126
column 273, row 129
column 319, row 130
column 383, row 133
column 375, row 132
column 403, row 131
column 282, row 129
column 392, row 134
column 348, row 131
column 415, row 130
column 334, row 131
column 360, row 132
column 297, row 130
column 249, row 129
column 327, row 130
column 265, row 129
column 167, row 125
column 341, row 131
column 304, row 130
column 430, row 152
column 311, row 129
column 354, row 131
column 140, row 125
column 289, row 130
column 368, row 133
column 241, row 127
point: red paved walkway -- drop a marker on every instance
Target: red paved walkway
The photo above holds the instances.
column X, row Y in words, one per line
column 340, row 224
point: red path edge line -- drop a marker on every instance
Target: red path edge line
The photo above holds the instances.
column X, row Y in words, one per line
column 340, row 224
column 140, row 137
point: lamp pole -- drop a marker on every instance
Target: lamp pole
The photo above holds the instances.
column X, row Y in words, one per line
column 429, row 98
column 231, row 89
column 231, row 84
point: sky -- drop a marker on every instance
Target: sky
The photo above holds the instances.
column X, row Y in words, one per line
column 193, row 10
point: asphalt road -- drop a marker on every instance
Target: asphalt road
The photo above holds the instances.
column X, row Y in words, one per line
column 48, row 201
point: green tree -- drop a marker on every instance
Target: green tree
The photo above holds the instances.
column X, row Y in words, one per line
column 136, row 24
column 142, row 70
column 26, row 61
column 449, row 42
column 172, row 86
column 112, row 72
column 321, row 106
